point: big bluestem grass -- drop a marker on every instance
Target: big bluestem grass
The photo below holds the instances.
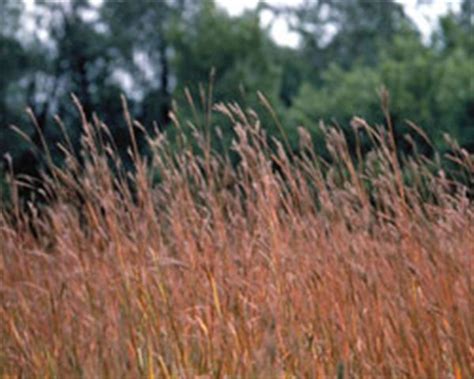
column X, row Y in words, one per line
column 280, row 265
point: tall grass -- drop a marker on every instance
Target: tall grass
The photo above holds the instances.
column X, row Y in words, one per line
column 282, row 265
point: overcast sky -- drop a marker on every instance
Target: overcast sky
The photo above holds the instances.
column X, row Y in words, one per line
column 424, row 14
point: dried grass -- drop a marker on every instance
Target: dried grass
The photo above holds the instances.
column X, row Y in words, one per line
column 220, row 270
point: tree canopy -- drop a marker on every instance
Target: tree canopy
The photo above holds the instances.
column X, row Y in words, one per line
column 153, row 51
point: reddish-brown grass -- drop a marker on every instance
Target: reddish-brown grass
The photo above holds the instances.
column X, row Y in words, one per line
column 352, row 269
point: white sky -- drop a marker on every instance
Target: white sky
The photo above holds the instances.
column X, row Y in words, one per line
column 422, row 13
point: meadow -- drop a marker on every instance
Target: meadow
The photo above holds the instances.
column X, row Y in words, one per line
column 280, row 265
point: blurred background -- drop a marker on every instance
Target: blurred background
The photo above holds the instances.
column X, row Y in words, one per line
column 313, row 59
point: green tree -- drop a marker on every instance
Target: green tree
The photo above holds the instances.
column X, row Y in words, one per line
column 430, row 85
column 237, row 48
column 140, row 33
column 14, row 60
column 348, row 32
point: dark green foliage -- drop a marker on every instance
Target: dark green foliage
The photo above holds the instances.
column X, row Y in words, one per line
column 153, row 51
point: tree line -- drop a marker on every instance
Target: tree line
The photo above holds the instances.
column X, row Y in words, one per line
column 159, row 54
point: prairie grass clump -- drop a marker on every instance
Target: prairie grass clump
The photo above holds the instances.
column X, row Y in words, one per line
column 281, row 265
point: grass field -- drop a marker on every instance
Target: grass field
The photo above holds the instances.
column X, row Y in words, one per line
column 284, row 265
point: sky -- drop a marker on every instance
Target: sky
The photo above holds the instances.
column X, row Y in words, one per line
column 424, row 13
